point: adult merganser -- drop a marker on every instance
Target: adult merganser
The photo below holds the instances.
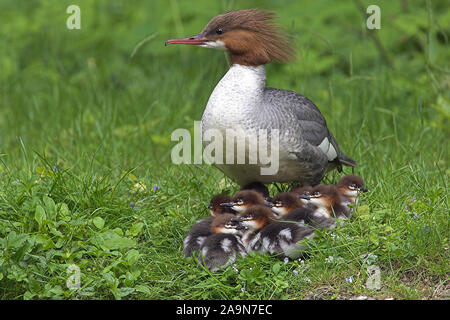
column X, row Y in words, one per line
column 307, row 149
column 264, row 234
column 350, row 186
column 224, row 245
column 245, row 199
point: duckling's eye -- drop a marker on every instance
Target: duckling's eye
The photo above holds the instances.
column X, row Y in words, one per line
column 239, row 202
column 352, row 186
column 219, row 31
column 278, row 204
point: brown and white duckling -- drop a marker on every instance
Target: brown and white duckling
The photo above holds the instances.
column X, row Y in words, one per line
column 328, row 202
column 202, row 228
column 350, row 186
column 264, row 234
column 302, row 191
column 290, row 208
column 196, row 235
column 253, row 220
column 286, row 202
column 245, row 199
column 224, row 245
column 215, row 207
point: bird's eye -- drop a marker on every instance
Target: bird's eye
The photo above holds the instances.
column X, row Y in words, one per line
column 219, row 31
column 278, row 204
column 239, row 202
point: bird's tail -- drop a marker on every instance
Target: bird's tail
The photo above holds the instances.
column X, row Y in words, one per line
column 341, row 159
column 346, row 160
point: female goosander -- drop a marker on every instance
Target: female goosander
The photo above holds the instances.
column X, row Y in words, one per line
column 245, row 199
column 350, row 186
column 202, row 228
column 307, row 149
column 224, row 245
column 264, row 234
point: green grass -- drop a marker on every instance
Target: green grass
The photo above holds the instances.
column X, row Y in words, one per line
column 85, row 126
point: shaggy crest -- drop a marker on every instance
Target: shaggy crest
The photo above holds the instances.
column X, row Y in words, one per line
column 250, row 36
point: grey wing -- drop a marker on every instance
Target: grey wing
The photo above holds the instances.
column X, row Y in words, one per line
column 313, row 124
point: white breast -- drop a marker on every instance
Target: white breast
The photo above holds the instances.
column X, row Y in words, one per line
column 235, row 98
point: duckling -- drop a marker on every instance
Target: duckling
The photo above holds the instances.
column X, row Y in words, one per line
column 245, row 199
column 302, row 191
column 224, row 245
column 202, row 228
column 253, row 220
column 260, row 188
column 197, row 235
column 215, row 207
column 264, row 234
column 350, row 186
column 290, row 208
column 328, row 201
column 285, row 202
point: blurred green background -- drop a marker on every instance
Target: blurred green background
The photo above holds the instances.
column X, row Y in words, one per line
column 79, row 109
column 86, row 84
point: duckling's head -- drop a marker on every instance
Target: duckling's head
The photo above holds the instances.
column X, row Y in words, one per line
column 302, row 191
column 285, row 202
column 215, row 207
column 255, row 217
column 325, row 196
column 258, row 187
column 224, row 223
column 245, row 199
column 351, row 185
